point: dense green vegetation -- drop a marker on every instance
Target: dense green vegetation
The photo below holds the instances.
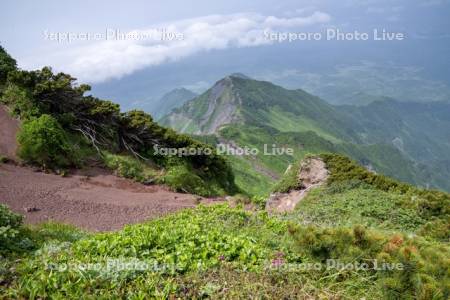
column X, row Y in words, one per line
column 220, row 252
column 7, row 64
column 129, row 167
column 9, row 229
column 263, row 170
column 63, row 128
column 44, row 142
column 249, row 180
column 359, row 205
column 354, row 195
column 407, row 141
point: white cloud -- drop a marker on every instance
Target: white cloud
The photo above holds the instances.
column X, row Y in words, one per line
column 316, row 17
column 430, row 3
column 96, row 61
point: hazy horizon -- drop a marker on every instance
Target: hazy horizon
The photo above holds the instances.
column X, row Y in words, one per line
column 216, row 39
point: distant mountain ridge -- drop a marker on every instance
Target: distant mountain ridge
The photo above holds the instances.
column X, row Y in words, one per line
column 404, row 140
column 173, row 99
column 204, row 114
column 240, row 100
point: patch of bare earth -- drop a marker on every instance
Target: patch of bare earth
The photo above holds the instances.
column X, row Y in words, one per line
column 94, row 200
column 8, row 131
column 313, row 173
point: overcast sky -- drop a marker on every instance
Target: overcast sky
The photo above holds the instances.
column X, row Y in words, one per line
column 26, row 27
column 217, row 30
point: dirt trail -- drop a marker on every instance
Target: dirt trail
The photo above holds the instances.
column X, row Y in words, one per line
column 8, row 130
column 94, row 200
column 313, row 173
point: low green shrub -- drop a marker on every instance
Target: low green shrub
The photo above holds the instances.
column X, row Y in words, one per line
column 343, row 169
column 52, row 231
column 126, row 166
column 341, row 205
column 289, row 181
column 179, row 176
column 227, row 253
column 438, row 229
column 13, row 237
column 336, row 243
column 401, row 267
column 9, row 226
column 183, row 179
column 144, row 260
column 191, row 240
column 241, row 199
column 259, row 201
column 43, row 142
column 225, row 282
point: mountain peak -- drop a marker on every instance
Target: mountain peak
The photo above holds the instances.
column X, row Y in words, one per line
column 172, row 99
column 239, row 75
column 180, row 89
column 238, row 99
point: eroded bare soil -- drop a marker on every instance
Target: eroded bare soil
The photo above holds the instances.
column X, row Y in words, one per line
column 313, row 173
column 95, row 200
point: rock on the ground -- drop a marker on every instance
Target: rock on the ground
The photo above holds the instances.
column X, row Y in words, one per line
column 313, row 173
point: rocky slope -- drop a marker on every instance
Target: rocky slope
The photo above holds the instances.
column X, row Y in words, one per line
column 313, row 173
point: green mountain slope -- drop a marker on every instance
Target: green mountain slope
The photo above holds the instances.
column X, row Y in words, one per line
column 237, row 100
column 420, row 130
column 171, row 100
column 404, row 140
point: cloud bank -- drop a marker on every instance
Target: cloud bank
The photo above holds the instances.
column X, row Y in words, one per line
column 101, row 60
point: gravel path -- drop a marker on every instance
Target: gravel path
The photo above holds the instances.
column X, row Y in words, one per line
column 95, row 201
